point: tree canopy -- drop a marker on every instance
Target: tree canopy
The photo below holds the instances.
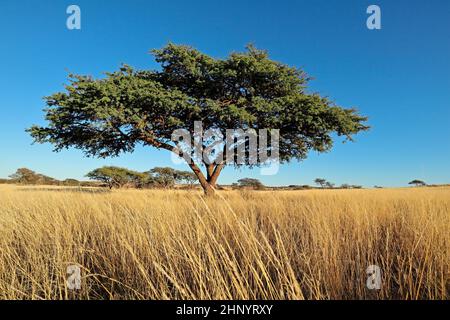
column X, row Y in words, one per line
column 164, row 177
column 167, row 177
column 116, row 177
column 250, row 183
column 321, row 182
column 27, row 176
column 417, row 183
column 105, row 117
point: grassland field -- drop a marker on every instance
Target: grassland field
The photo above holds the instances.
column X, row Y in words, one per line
column 173, row 244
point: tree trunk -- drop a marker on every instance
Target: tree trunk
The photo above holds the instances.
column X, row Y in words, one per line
column 208, row 184
column 213, row 172
column 215, row 175
column 209, row 190
column 207, row 187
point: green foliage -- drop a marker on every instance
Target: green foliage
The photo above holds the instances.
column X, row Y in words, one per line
column 163, row 177
column 108, row 116
column 116, row 177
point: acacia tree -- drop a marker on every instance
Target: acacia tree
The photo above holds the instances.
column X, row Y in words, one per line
column 71, row 182
column 321, row 182
column 27, row 176
column 251, row 183
column 163, row 177
column 166, row 177
column 329, row 185
column 105, row 117
column 116, row 177
column 417, row 183
column 186, row 177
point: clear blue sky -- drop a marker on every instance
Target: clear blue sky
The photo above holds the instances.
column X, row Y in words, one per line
column 399, row 76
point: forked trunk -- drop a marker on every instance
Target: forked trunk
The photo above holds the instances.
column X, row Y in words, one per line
column 208, row 184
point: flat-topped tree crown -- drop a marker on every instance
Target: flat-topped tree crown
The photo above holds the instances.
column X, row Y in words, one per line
column 105, row 117
column 417, row 183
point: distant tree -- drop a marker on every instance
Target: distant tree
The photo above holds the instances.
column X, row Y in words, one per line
column 186, row 177
column 350, row 186
column 71, row 182
column 378, row 187
column 300, row 187
column 321, row 182
column 329, row 185
column 138, row 180
column 250, row 183
column 164, row 177
column 46, row 180
column 417, row 183
column 115, row 177
column 106, row 117
column 27, row 176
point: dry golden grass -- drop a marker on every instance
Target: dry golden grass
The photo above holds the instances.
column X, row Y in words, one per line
column 253, row 245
